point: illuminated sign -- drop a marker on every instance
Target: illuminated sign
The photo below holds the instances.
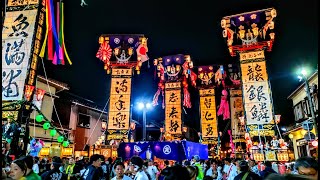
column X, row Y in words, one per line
column 236, row 107
column 119, row 110
column 209, row 125
column 256, row 89
column 17, row 40
column 173, row 120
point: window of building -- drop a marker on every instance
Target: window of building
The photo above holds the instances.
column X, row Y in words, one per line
column 84, row 120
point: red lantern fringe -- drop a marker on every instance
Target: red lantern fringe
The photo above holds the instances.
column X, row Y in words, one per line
column 156, row 97
column 186, row 98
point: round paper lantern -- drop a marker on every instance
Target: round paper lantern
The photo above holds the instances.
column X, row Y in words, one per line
column 39, row 118
column 65, row 143
column 60, row 139
column 46, row 126
column 53, row 132
column 314, row 143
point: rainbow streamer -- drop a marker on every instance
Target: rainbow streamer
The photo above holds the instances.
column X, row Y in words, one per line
column 54, row 37
column 43, row 48
column 62, row 34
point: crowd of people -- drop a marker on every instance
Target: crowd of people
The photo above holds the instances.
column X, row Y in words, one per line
column 135, row 168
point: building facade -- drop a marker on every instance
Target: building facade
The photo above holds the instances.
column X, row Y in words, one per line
column 299, row 133
column 52, row 89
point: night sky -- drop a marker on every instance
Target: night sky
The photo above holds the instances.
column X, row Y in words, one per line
column 183, row 27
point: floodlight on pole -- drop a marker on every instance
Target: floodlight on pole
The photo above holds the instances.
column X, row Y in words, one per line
column 144, row 107
column 304, row 72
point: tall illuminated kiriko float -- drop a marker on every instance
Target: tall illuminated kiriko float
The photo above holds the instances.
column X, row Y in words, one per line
column 121, row 55
column 249, row 35
column 174, row 72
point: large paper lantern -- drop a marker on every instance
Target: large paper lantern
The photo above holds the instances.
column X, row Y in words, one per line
column 53, row 132
column 46, row 125
column 39, row 118
column 60, row 139
column 65, row 143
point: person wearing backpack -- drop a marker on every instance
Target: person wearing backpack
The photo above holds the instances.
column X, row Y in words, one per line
column 245, row 172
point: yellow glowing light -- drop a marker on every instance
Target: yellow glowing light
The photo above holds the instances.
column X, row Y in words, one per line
column 290, row 136
column 303, row 132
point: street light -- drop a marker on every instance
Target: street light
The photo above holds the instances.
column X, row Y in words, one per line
column 303, row 76
column 144, row 107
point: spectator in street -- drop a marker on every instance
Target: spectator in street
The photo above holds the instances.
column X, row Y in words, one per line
column 54, row 173
column 152, row 170
column 193, row 172
column 196, row 162
column 30, row 174
column 18, row 169
column 178, row 173
column 35, row 166
column 72, row 170
column 229, row 169
column 307, row 166
column 254, row 167
column 286, row 177
column 137, row 162
column 103, row 168
column 93, row 172
column 268, row 170
column 245, row 172
column 119, row 169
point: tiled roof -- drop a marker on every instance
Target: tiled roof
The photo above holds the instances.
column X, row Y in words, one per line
column 81, row 101
column 53, row 82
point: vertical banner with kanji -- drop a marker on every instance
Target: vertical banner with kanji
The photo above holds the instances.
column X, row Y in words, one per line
column 236, row 108
column 256, row 89
column 119, row 108
column 19, row 38
column 208, row 112
column 173, row 109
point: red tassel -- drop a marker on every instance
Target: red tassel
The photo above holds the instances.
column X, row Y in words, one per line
column 186, row 98
column 156, row 97
column 193, row 79
column 163, row 106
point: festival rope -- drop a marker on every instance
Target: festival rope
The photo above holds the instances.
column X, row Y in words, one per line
column 54, row 107
column 97, row 122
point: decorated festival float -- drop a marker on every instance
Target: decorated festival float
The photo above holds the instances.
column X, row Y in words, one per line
column 31, row 29
column 249, row 35
column 215, row 79
column 122, row 55
column 175, row 73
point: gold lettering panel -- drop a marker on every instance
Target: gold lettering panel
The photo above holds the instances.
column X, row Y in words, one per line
column 173, row 97
column 121, row 72
column 121, row 86
column 208, row 116
column 253, row 72
column 173, row 85
column 120, row 93
column 173, row 121
column 22, row 2
column 204, row 92
column 251, row 55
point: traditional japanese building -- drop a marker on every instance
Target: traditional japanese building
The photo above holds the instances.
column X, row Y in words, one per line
column 85, row 120
column 298, row 133
column 51, row 90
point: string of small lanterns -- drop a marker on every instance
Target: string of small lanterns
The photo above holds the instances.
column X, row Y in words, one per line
column 53, row 132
